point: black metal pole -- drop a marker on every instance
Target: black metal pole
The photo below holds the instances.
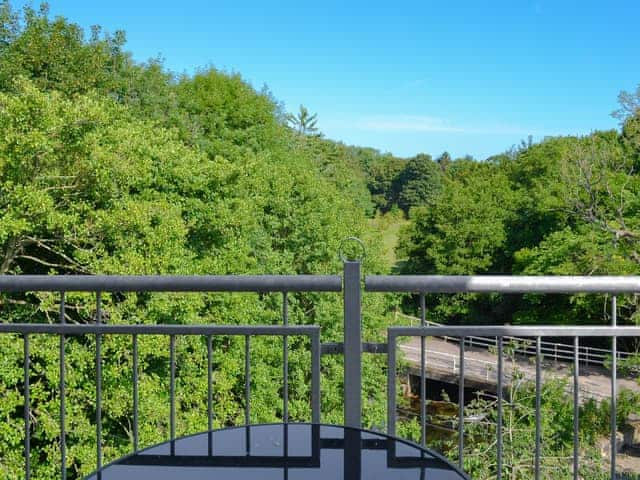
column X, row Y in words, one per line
column 352, row 346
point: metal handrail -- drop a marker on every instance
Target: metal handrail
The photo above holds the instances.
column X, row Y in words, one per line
column 427, row 284
column 171, row 283
column 99, row 284
column 502, row 332
column 502, row 284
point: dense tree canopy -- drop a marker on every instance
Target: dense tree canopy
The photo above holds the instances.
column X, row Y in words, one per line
column 568, row 205
column 109, row 166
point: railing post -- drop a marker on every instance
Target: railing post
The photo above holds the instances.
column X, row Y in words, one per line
column 614, row 387
column 352, row 345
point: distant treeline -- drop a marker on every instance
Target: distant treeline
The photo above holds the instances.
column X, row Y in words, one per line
column 564, row 206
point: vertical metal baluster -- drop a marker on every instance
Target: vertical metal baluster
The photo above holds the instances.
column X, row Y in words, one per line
column 315, row 378
column 614, row 386
column 391, row 385
column 576, row 406
column 247, row 391
column 461, row 407
column 285, row 356
column 99, row 386
column 210, row 393
column 538, row 405
column 27, row 412
column 172, row 391
column 247, row 379
column 423, row 388
column 285, row 379
column 135, row 392
column 63, row 436
column 285, row 448
column 586, row 356
column 499, row 426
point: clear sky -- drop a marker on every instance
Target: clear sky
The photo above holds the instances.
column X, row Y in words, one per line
column 471, row 77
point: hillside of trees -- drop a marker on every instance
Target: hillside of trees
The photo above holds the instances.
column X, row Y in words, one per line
column 108, row 166
column 112, row 166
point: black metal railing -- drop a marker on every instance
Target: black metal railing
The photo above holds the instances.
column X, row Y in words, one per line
column 352, row 348
column 425, row 284
column 100, row 284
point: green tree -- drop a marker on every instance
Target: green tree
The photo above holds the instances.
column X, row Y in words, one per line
column 130, row 170
column 460, row 231
column 629, row 116
column 303, row 122
column 444, row 161
column 54, row 54
column 381, row 171
column 418, row 183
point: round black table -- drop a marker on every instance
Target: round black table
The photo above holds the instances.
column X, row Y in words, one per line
column 294, row 451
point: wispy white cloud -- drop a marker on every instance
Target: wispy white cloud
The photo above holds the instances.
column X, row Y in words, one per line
column 406, row 123
column 428, row 124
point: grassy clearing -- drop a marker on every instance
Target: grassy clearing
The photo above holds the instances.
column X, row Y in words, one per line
column 387, row 227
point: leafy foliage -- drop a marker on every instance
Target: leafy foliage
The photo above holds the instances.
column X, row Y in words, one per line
column 113, row 167
column 519, row 430
column 565, row 206
column 417, row 183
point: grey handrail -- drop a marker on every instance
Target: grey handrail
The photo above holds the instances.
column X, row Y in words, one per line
column 502, row 284
column 171, row 283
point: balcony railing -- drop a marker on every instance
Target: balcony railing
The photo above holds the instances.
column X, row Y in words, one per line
column 101, row 284
column 425, row 284
column 352, row 347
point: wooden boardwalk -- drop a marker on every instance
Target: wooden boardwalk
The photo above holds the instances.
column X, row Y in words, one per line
column 443, row 363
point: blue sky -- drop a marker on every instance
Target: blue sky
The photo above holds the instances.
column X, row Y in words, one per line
column 469, row 77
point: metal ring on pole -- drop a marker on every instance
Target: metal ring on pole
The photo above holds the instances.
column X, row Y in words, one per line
column 357, row 241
